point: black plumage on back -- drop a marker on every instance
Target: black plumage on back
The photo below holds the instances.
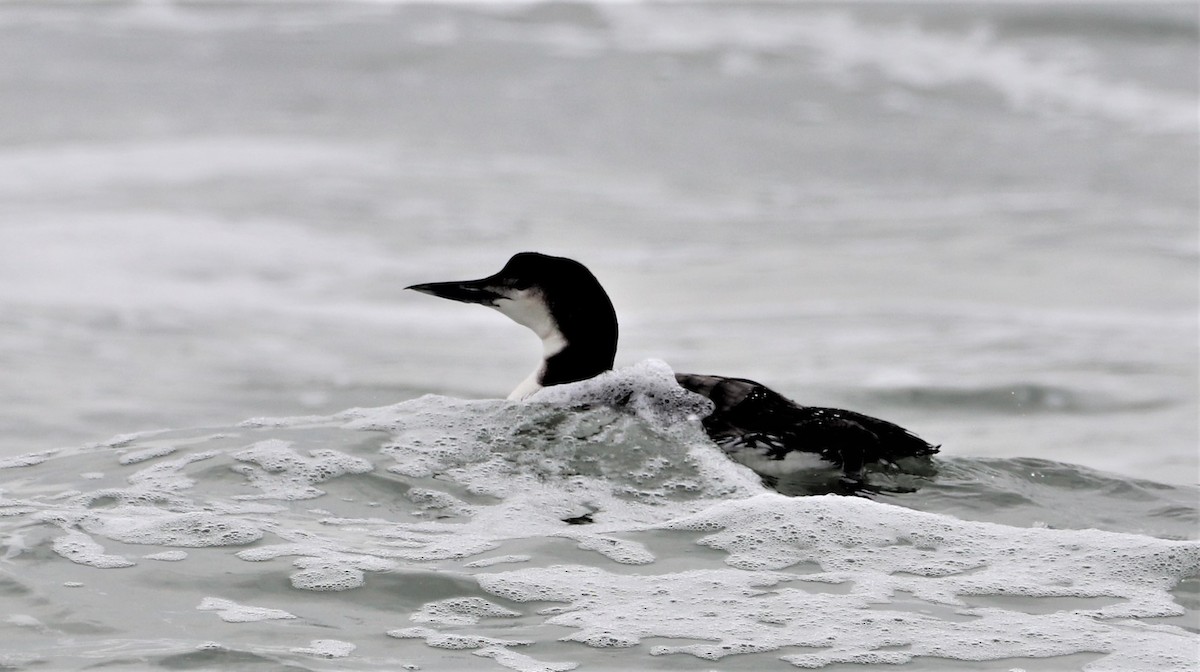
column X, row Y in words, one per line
column 747, row 414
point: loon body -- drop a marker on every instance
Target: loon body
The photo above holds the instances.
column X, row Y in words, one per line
column 563, row 303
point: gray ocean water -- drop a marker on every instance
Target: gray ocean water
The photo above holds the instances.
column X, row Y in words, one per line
column 230, row 440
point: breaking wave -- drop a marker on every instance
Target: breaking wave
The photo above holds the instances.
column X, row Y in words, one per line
column 594, row 526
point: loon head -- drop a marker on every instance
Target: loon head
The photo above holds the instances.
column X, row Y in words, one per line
column 561, row 301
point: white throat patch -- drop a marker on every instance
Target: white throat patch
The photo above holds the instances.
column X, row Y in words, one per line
column 528, row 307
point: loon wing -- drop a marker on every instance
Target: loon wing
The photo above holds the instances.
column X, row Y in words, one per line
column 747, row 414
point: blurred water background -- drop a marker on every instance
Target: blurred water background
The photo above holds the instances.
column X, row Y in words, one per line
column 978, row 220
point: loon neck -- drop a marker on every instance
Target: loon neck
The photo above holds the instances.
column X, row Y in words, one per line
column 574, row 363
column 564, row 362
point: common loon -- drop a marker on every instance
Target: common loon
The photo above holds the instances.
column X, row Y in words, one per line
column 564, row 304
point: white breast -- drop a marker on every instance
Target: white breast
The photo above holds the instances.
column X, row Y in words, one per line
column 528, row 386
column 791, row 463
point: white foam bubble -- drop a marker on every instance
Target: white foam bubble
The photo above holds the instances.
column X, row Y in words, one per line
column 147, row 454
column 439, row 504
column 282, row 473
column 264, row 553
column 82, row 549
column 433, row 541
column 326, row 648
column 150, row 525
column 167, row 556
column 324, row 576
column 232, row 612
column 521, row 662
column 441, row 640
column 461, row 611
column 618, row 550
column 165, row 477
column 328, row 570
column 647, row 388
column 866, row 556
column 125, row 439
column 498, row 560
column 26, row 460
column 942, row 560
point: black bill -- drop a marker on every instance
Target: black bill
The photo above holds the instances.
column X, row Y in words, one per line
column 467, row 291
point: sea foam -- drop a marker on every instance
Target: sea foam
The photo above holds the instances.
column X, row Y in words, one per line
column 595, row 521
